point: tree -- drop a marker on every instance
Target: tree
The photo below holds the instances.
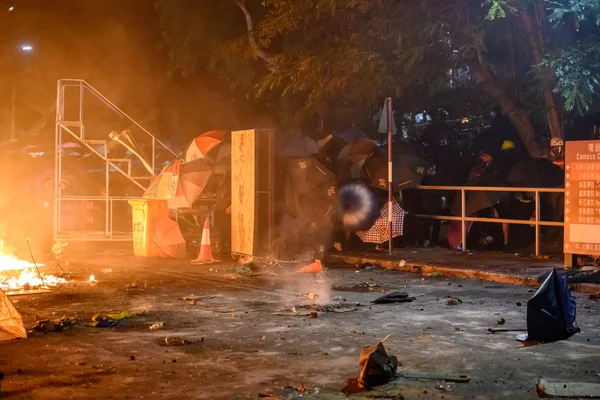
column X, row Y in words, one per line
column 337, row 58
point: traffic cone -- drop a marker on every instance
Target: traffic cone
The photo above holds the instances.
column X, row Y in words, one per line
column 313, row 268
column 205, row 255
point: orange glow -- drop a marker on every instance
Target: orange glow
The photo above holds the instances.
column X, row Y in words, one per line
column 28, row 278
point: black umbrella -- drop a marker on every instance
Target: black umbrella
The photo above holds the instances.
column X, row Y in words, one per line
column 310, row 190
column 352, row 157
column 551, row 311
column 359, row 207
column 479, row 200
column 349, row 135
column 407, row 171
column 296, row 143
column 536, row 172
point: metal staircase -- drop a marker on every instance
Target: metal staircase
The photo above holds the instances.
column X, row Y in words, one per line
column 77, row 202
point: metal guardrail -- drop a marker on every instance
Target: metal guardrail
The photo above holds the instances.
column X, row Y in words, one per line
column 464, row 218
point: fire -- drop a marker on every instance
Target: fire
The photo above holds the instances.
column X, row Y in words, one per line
column 28, row 277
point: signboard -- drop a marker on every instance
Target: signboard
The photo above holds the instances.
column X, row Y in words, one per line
column 243, row 182
column 582, row 197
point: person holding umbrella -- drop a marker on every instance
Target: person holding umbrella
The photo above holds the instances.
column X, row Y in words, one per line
column 222, row 208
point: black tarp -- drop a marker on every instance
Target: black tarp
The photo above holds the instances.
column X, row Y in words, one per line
column 551, row 311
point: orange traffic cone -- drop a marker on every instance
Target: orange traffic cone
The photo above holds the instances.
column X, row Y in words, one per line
column 313, row 268
column 205, row 256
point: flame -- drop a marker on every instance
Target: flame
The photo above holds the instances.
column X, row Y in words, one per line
column 92, row 279
column 28, row 278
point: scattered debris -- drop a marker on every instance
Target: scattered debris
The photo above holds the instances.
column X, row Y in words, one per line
column 45, row 326
column 394, row 297
column 92, row 280
column 338, row 298
column 501, row 321
column 312, row 296
column 314, row 314
column 594, row 297
column 492, row 330
column 301, row 388
column 402, row 263
column 157, row 325
column 548, row 388
column 363, row 287
column 444, row 386
column 460, row 378
column 306, row 309
column 108, row 320
column 106, row 271
column 192, row 302
column 452, row 301
column 519, row 304
column 172, row 341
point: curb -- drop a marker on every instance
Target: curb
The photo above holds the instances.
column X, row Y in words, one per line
column 465, row 273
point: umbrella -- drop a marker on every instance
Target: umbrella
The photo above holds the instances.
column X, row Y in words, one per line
column 203, row 144
column 310, row 190
column 164, row 185
column 353, row 155
column 296, row 144
column 377, row 367
column 479, row 200
column 349, row 135
column 379, row 232
column 551, row 311
column 408, row 171
column 193, row 177
column 167, row 237
column 359, row 206
column 180, row 183
column 536, row 172
column 221, row 158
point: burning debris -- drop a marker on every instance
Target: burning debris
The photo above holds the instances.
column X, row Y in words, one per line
column 28, row 278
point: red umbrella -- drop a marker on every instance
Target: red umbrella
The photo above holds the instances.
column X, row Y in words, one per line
column 167, row 237
column 203, row 144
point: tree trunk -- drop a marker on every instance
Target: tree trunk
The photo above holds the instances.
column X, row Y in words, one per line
column 533, row 28
column 520, row 120
column 258, row 52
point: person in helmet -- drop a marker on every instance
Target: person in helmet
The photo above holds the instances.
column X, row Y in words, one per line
column 557, row 151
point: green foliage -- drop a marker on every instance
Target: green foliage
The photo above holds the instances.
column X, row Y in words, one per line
column 577, row 70
column 498, row 8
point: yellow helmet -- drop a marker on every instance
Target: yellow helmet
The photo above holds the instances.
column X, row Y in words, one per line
column 508, row 144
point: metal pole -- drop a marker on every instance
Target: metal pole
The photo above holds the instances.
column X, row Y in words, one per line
column 13, row 110
column 537, row 223
column 388, row 104
column 462, row 214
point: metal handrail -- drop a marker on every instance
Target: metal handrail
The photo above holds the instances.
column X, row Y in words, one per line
column 101, row 97
column 464, row 218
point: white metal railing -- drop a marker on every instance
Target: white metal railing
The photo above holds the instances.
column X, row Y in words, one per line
column 465, row 218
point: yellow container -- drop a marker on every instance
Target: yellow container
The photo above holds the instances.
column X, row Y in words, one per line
column 144, row 211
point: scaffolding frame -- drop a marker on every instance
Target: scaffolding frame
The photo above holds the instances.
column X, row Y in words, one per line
column 74, row 130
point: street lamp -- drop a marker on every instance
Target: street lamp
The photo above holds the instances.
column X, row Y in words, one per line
column 25, row 48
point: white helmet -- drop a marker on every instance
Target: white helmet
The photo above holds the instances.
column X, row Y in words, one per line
column 556, row 142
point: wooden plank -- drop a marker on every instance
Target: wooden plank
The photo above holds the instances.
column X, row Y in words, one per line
column 552, row 388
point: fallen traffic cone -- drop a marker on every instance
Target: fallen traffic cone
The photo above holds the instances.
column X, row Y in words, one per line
column 205, row 255
column 313, row 268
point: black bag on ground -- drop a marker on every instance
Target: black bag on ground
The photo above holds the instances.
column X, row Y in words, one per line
column 551, row 311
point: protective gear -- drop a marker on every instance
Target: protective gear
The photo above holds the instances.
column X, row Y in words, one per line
column 485, row 158
column 507, row 145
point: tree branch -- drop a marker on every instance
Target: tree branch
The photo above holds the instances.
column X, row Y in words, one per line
column 258, row 52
